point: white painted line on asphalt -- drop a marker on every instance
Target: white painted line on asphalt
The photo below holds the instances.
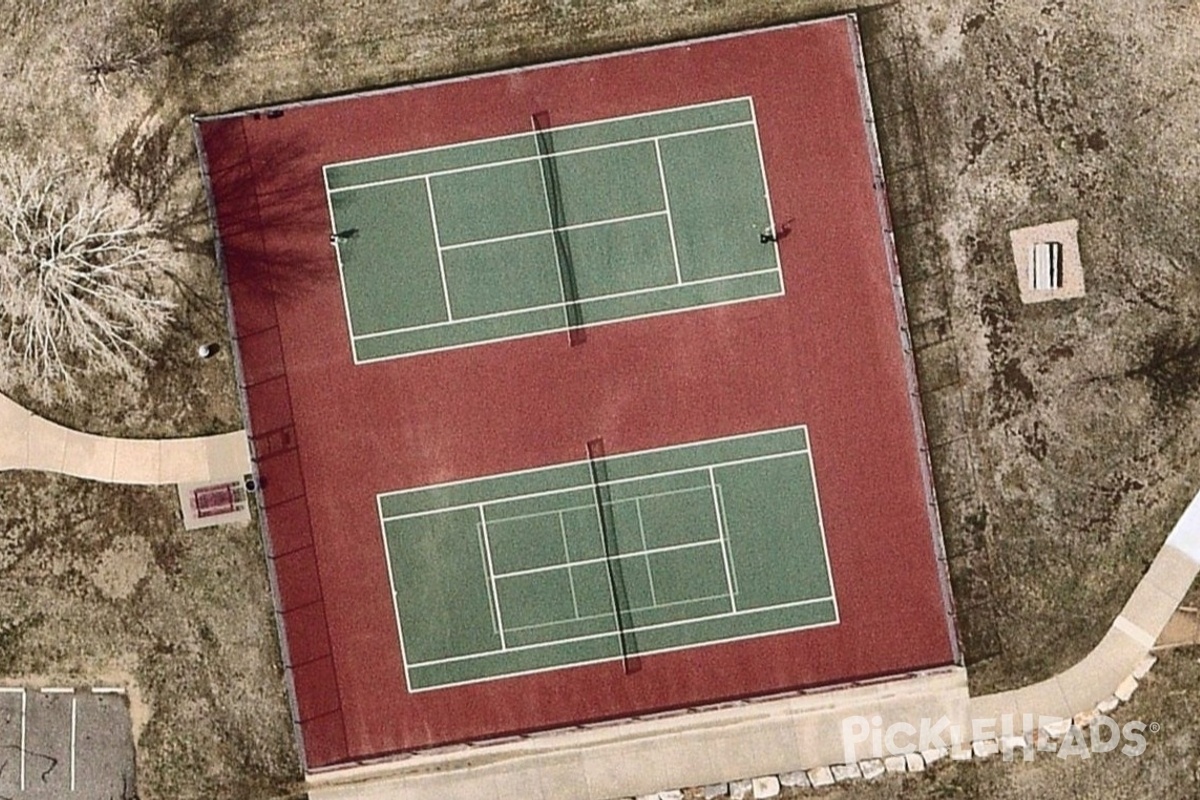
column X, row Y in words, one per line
column 74, row 712
column 23, row 709
column 57, row 690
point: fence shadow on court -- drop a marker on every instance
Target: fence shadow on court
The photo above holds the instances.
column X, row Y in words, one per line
column 269, row 210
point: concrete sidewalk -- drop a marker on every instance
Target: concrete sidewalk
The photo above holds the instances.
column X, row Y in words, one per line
column 787, row 735
column 29, row 442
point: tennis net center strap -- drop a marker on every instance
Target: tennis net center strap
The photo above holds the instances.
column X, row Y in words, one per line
column 562, row 246
column 612, row 562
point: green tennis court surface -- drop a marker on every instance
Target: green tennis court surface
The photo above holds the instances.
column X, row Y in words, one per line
column 607, row 558
column 553, row 229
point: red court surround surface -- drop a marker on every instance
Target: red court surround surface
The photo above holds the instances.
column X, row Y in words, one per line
column 328, row 436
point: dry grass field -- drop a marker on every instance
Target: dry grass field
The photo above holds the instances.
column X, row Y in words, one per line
column 1065, row 437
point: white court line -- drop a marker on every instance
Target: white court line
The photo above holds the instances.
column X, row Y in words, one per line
column 588, row 506
column 506, row 162
column 108, row 690
column 613, row 482
column 637, row 505
column 437, row 242
column 617, row 458
column 24, row 713
column 491, row 584
column 608, row 460
column 581, row 301
column 611, row 582
column 636, row 629
column 812, row 476
column 767, row 193
column 609, row 659
column 609, row 615
column 57, row 690
column 558, row 271
column 19, row 690
column 562, row 528
column 553, row 230
column 491, row 571
column 592, row 324
column 540, row 156
column 724, row 521
column 337, row 253
column 517, row 573
column 387, row 557
column 570, row 126
column 74, row 714
column 662, row 179
column 712, row 480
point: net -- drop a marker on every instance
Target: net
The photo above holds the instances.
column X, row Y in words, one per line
column 562, row 247
column 608, row 534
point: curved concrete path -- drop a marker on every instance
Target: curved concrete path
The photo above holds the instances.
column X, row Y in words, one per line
column 29, row 442
column 1110, row 672
column 800, row 738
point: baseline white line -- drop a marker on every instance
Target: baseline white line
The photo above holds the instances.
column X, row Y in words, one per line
column 74, row 713
column 551, row 231
column 337, row 254
column 725, row 521
column 24, row 714
column 762, row 165
column 491, row 584
column 614, row 482
column 507, row 137
column 547, row 331
column 562, row 528
column 712, row 480
column 609, row 659
column 57, row 690
column 570, row 126
column 508, row 162
column 580, row 301
column 437, row 242
column 812, row 472
column 108, row 690
column 558, row 273
column 637, row 505
column 491, row 570
column 387, row 556
column 638, row 629
column 616, row 457
column 662, row 179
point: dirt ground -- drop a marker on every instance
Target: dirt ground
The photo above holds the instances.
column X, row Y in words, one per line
column 1064, row 437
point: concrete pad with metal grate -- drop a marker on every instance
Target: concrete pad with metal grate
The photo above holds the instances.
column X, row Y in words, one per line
column 1047, row 261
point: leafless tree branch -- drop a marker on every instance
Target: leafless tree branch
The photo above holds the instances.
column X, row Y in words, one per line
column 81, row 278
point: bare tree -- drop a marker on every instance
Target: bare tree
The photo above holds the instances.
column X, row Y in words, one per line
column 81, row 278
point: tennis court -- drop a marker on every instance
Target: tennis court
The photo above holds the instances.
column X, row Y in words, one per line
column 607, row 558
column 553, row 229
